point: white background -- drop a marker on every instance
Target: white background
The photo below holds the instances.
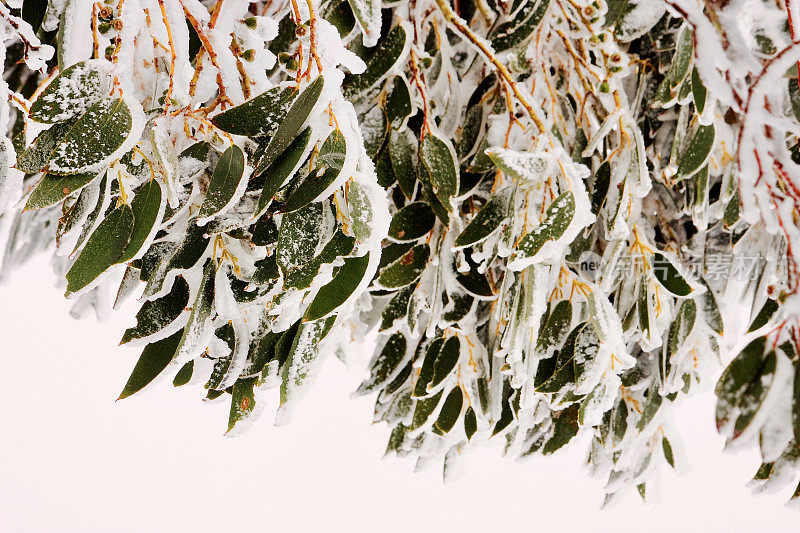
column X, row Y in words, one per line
column 71, row 459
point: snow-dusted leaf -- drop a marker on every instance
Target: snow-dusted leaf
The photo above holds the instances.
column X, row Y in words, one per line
column 398, row 102
column 301, row 366
column 148, row 210
column 438, row 157
column 388, row 364
column 94, row 140
column 198, row 328
column 226, row 186
column 338, row 290
column 368, row 16
column 556, row 327
column 520, row 26
column 390, row 51
column 299, row 236
column 72, row 92
column 413, row 221
column 487, row 221
column 406, row 269
column 733, row 383
column 698, row 152
column 154, row 359
column 403, row 147
column 301, row 277
column 156, row 315
column 259, row 116
column 282, row 169
column 329, row 164
column 632, row 18
column 556, row 220
column 291, row 126
column 445, row 363
column 36, row 156
column 53, row 189
column 451, row 410
column 243, row 402
column 565, row 428
column 104, row 247
column 397, row 308
column 669, row 277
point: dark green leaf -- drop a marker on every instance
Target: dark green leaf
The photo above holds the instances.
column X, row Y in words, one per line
column 339, row 289
column 94, row 139
column 225, row 182
column 669, row 277
column 451, row 410
column 71, row 93
column 413, row 221
column 102, row 249
column 154, row 359
column 282, row 169
column 155, row 315
column 438, row 157
column 487, row 221
column 52, row 189
column 258, row 116
column 406, row 269
column 556, row 220
column 148, row 210
column 698, row 152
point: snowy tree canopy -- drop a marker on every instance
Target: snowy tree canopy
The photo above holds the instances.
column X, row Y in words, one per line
column 557, row 216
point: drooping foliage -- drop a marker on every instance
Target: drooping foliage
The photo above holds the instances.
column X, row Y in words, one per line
column 558, row 216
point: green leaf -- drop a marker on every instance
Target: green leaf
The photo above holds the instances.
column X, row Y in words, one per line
column 226, row 183
column 680, row 330
column 438, row 157
column 259, row 116
column 340, row 245
column 565, row 428
column 329, row 165
column 413, row 221
column 732, row 385
column 668, row 276
column 764, row 315
column 699, row 151
column 53, row 189
column 33, row 13
column 390, row 51
column 243, row 401
column 487, row 221
column 446, row 361
column 75, row 90
column 282, row 169
column 564, row 371
column 397, row 307
column 148, row 209
column 155, row 315
column 755, row 393
column 154, row 359
column 557, row 219
column 406, row 269
column 341, row 16
column 184, row 375
column 424, row 409
column 651, row 406
column 331, row 296
column 361, row 211
column 398, row 102
column 710, row 307
column 36, row 156
column 298, row 369
column 291, row 126
column 102, row 249
column 451, row 410
column 600, row 184
column 524, row 22
column 299, row 236
column 700, row 94
column 556, row 327
column 470, row 422
column 389, row 363
column 94, row 139
column 403, row 147
column 197, row 326
column 476, row 284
